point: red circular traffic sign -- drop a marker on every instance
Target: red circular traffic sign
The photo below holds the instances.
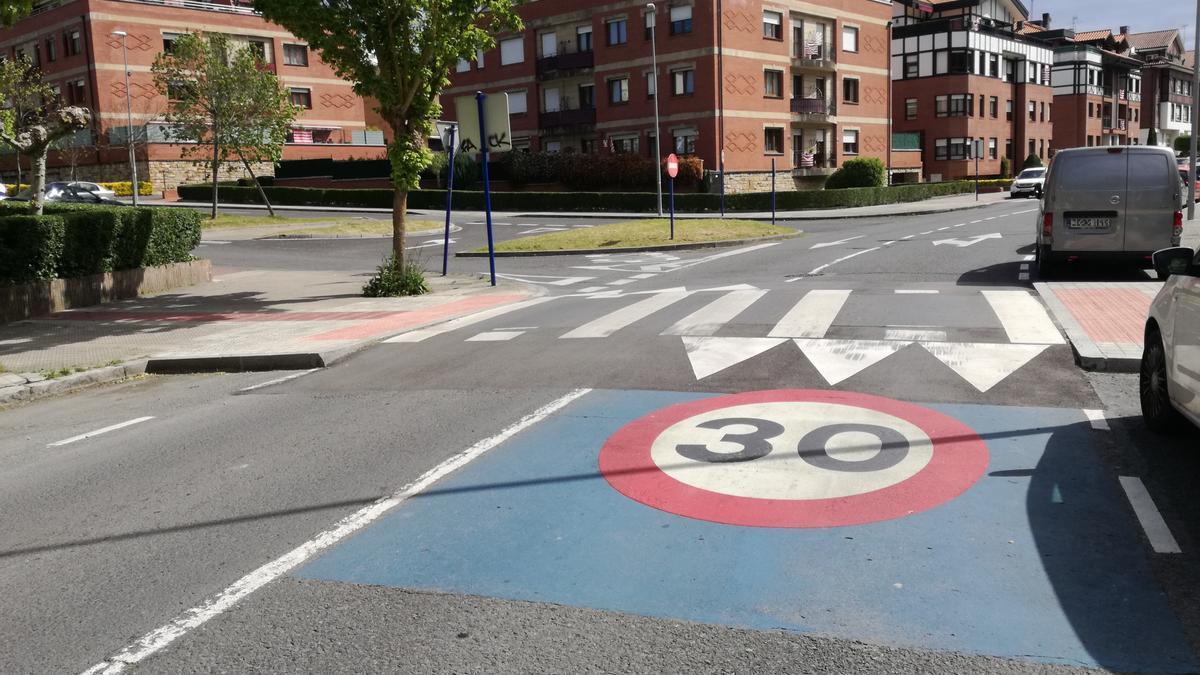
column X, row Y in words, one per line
column 672, row 165
column 794, row 458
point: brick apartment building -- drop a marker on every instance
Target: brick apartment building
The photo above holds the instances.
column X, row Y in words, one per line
column 803, row 83
column 965, row 70
column 1166, row 85
column 1097, row 87
column 72, row 42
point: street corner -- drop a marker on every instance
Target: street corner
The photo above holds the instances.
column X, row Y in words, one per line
column 979, row 529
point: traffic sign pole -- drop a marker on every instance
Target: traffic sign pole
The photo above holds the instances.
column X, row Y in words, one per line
column 672, row 188
column 672, row 172
column 449, row 201
column 480, row 97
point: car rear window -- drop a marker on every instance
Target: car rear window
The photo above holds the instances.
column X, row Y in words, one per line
column 1091, row 171
column 1148, row 170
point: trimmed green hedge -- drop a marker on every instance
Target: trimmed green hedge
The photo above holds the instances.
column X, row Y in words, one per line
column 74, row 240
column 582, row 201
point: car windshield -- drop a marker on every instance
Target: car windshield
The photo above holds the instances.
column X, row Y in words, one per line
column 1032, row 173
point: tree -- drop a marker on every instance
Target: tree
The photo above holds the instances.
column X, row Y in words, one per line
column 1005, row 167
column 1032, row 161
column 33, row 118
column 398, row 53
column 1183, row 144
column 224, row 101
column 1152, row 137
column 12, row 11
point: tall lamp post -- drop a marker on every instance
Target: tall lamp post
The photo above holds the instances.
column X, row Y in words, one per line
column 654, row 73
column 1195, row 115
column 129, row 118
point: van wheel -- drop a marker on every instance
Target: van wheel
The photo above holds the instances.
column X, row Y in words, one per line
column 1045, row 267
column 1157, row 412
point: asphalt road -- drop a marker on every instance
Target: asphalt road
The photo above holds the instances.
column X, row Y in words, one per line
column 527, row 559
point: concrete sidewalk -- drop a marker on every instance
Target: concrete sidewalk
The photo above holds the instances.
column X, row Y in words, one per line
column 1104, row 321
column 242, row 320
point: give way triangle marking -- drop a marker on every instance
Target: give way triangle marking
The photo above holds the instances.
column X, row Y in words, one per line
column 839, row 360
column 984, row 365
column 711, row 355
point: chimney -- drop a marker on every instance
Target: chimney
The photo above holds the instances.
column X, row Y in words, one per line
column 1124, row 30
column 1046, row 20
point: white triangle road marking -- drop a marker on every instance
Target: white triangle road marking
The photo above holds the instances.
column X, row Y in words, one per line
column 839, row 360
column 984, row 365
column 711, row 355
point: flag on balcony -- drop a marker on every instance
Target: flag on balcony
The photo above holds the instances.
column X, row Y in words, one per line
column 808, row 160
column 1122, row 95
column 812, row 48
column 301, row 136
column 925, row 7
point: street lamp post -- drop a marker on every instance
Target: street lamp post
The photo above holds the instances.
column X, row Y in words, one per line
column 129, row 118
column 654, row 73
column 1195, row 115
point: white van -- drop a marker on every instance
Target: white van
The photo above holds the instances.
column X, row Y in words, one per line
column 1117, row 203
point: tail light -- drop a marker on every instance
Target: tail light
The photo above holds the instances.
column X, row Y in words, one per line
column 1047, row 224
column 1178, row 224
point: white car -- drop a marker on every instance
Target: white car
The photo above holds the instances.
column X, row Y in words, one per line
column 1170, row 373
column 105, row 193
column 3, row 192
column 1028, row 183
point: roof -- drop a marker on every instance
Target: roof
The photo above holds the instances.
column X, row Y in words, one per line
column 1153, row 40
column 1031, row 29
column 1088, row 36
column 1189, row 59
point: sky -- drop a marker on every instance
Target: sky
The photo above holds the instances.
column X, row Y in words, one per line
column 1141, row 15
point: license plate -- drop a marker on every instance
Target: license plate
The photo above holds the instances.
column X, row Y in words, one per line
column 1089, row 223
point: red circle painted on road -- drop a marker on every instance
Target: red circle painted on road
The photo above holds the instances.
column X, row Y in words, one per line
column 958, row 458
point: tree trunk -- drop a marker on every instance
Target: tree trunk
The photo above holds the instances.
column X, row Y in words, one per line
column 216, row 171
column 18, row 170
column 399, row 212
column 37, row 182
column 261, row 192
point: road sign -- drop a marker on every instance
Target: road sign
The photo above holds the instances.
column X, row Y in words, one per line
column 672, row 165
column 495, row 110
column 794, row 458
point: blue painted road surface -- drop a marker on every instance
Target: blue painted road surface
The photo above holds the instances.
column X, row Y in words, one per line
column 1026, row 549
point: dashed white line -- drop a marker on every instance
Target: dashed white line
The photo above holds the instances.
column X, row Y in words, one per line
column 976, row 221
column 841, row 259
column 648, row 275
column 589, row 289
column 621, row 282
column 1029, row 258
column 1097, row 418
column 1161, row 539
column 960, row 225
column 496, row 336
column 908, row 237
column 105, row 430
column 161, row 637
column 916, row 291
column 943, row 228
column 279, row 380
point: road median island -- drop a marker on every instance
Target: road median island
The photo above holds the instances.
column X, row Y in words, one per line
column 649, row 234
column 283, row 226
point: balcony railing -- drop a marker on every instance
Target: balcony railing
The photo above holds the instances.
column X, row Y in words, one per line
column 813, row 51
column 225, row 6
column 567, row 118
column 813, row 106
column 562, row 64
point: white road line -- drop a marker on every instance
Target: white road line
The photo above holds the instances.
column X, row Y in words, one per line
column 915, row 291
column 960, row 225
column 943, row 228
column 621, row 282
column 105, row 430
column 911, row 335
column 589, row 289
column 496, row 336
column 708, row 319
column 1023, row 317
column 927, row 232
column 991, row 218
column 841, row 259
column 279, row 380
column 1098, row 420
column 1161, row 539
column 976, row 221
column 812, row 316
column 1030, row 258
column 161, row 637
column 648, row 275
column 908, row 237
column 464, row 321
column 615, row 321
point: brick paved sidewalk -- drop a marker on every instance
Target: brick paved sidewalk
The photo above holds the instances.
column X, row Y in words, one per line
column 241, row 320
column 1104, row 321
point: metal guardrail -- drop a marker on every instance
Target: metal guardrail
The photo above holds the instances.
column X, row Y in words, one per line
column 813, row 106
column 566, row 118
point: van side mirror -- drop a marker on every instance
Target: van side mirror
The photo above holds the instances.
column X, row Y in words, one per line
column 1176, row 260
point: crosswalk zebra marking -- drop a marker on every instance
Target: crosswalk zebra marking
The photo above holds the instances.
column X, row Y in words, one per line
column 496, row 336
column 1023, row 317
column 422, row 334
column 710, row 318
column 812, row 316
column 625, row 316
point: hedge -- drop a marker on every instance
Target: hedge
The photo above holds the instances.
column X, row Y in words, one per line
column 74, row 240
column 583, row 201
column 125, row 188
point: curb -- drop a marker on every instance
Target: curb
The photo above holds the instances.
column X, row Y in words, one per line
column 631, row 249
column 420, row 233
column 1088, row 354
column 70, row 383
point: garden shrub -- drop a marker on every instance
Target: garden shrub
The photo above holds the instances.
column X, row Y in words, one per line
column 860, row 172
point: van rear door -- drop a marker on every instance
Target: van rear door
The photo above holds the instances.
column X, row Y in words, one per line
column 1088, row 200
column 1153, row 198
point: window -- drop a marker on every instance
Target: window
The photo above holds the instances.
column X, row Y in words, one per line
column 681, row 20
column 991, row 148
column 587, row 96
column 773, row 28
column 773, row 141
column 941, row 149
column 959, row 104
column 512, row 51
column 994, row 104
column 912, row 67
column 169, row 42
column 960, row 62
column 993, row 65
column 583, row 38
column 1008, row 110
column 910, row 109
column 850, row 89
column 651, row 21
column 960, row 148
column 297, row 55
column 479, row 59
column 685, row 142
column 177, row 91
column 618, row 90
column 617, row 32
column 75, row 92
column 651, row 85
column 259, row 49
column 850, row 142
column 941, row 106
column 1032, row 146
column 301, row 98
column 1032, row 111
column 1090, row 109
column 463, row 66
column 849, row 39
column 625, row 144
column 587, row 146
column 51, row 49
column 1008, row 147
column 1043, row 109
column 518, row 103
column 72, row 43
column 773, row 83
column 683, row 82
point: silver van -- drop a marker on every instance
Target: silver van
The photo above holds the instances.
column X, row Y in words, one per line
column 1117, row 203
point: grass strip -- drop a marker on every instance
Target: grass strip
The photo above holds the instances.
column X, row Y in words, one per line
column 646, row 232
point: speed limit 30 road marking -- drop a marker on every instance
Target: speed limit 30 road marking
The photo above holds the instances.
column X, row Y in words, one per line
column 794, row 458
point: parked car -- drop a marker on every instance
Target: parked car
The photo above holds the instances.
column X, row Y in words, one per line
column 1118, row 203
column 3, row 192
column 69, row 193
column 1170, row 372
column 1183, row 176
column 95, row 187
column 1028, row 183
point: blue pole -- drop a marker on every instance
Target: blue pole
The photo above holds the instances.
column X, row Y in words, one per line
column 672, row 188
column 722, row 189
column 772, row 190
column 449, row 202
column 480, row 97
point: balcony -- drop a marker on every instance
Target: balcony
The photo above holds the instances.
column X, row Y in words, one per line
column 1121, row 125
column 813, row 109
column 813, row 164
column 813, row 54
column 223, row 6
column 567, row 121
column 564, row 65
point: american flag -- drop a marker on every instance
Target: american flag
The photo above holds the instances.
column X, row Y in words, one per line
column 301, row 136
column 812, row 48
column 808, row 160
